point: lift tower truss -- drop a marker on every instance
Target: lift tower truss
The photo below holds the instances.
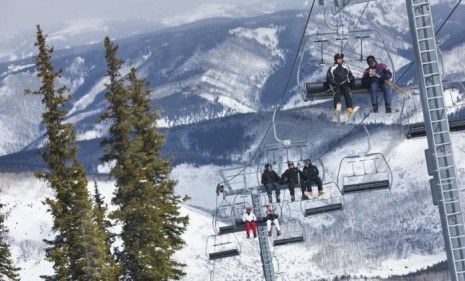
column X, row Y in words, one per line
column 265, row 251
column 439, row 154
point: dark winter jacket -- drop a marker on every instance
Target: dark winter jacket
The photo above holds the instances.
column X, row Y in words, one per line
column 270, row 177
column 339, row 75
column 310, row 172
column 381, row 69
column 271, row 214
column 291, row 176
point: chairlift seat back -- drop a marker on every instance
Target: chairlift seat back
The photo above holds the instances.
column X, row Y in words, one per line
column 321, row 90
column 223, row 254
column 284, row 241
column 366, row 186
column 418, row 130
column 323, row 209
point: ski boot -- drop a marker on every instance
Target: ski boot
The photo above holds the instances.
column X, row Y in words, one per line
column 349, row 111
column 292, row 198
column 278, row 233
column 388, row 108
column 375, row 108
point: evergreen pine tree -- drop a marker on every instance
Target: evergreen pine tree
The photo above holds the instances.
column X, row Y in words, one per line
column 8, row 271
column 78, row 251
column 101, row 218
column 147, row 206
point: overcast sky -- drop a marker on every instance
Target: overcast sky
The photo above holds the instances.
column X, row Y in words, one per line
column 18, row 15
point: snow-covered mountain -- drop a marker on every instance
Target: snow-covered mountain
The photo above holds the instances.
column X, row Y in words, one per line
column 203, row 70
column 215, row 81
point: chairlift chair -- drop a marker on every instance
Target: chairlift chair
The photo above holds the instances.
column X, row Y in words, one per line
column 331, row 200
column 278, row 154
column 233, row 222
column 222, row 246
column 322, row 90
column 292, row 231
column 366, row 172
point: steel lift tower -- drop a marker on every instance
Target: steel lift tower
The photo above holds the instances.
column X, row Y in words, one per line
column 439, row 156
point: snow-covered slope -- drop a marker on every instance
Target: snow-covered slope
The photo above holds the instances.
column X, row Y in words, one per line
column 377, row 234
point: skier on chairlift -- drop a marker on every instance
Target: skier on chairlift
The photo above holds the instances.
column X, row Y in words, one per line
column 272, row 217
column 340, row 78
column 311, row 177
column 376, row 74
column 292, row 176
column 270, row 180
column 250, row 221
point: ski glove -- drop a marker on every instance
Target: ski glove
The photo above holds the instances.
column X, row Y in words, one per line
column 373, row 73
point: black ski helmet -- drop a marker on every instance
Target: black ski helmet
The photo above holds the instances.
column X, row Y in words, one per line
column 307, row 161
column 267, row 165
column 290, row 163
column 338, row 56
column 370, row 57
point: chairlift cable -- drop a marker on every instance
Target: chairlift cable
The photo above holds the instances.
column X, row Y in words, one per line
column 356, row 24
column 284, row 94
column 436, row 33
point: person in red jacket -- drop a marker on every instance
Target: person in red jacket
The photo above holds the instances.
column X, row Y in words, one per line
column 250, row 219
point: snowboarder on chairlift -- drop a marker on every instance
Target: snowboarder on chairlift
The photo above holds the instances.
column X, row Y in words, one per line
column 292, row 177
column 250, row 221
column 340, row 79
column 272, row 217
column 271, row 182
column 376, row 74
column 311, row 177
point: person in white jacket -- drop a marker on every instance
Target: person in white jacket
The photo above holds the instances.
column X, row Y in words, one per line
column 272, row 217
column 250, row 221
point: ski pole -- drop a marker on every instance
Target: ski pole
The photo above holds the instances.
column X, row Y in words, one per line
column 391, row 85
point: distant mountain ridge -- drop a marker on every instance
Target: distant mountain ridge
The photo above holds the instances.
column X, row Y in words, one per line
column 200, row 71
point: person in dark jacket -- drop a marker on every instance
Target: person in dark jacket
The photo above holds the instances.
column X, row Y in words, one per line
column 376, row 74
column 292, row 176
column 271, row 182
column 311, row 177
column 340, row 77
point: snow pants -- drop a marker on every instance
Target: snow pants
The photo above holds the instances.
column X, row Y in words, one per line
column 251, row 225
column 292, row 189
column 374, row 87
column 275, row 222
column 312, row 181
column 345, row 91
column 269, row 187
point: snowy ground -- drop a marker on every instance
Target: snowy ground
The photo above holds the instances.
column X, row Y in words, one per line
column 377, row 234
